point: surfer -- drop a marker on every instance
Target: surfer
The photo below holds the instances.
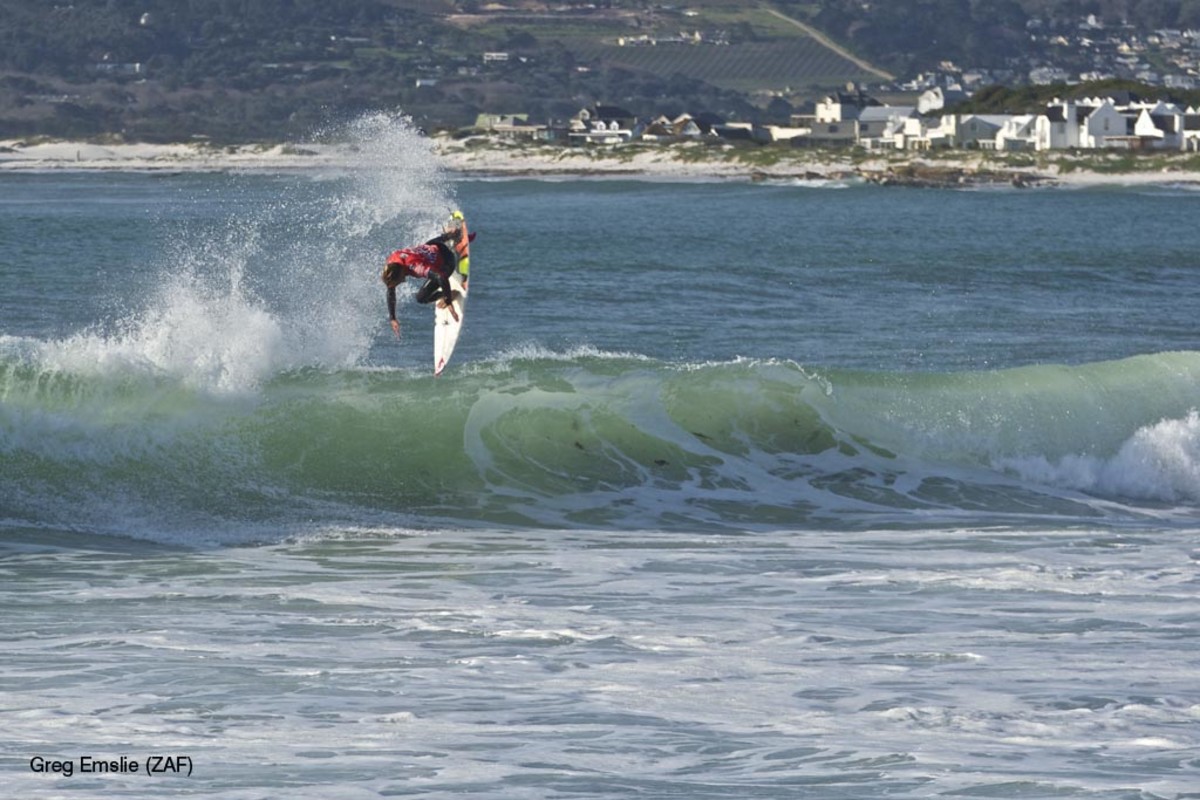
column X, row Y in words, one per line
column 435, row 261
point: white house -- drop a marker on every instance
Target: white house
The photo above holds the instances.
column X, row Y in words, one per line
column 600, row 132
column 686, row 127
column 785, row 133
column 1160, row 127
column 663, row 129
column 937, row 98
column 974, row 131
column 601, row 124
column 893, row 135
column 1058, row 128
column 1018, row 133
column 842, row 107
column 877, row 125
column 742, row 132
column 1191, row 130
column 913, row 134
column 1104, row 126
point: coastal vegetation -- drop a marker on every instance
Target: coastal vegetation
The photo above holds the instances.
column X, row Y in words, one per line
column 1022, row 99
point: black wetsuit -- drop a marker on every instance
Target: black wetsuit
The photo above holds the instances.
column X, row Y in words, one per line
column 437, row 285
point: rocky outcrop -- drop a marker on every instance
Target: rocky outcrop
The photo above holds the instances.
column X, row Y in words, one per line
column 936, row 177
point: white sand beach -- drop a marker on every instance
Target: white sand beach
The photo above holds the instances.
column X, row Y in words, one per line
column 477, row 156
column 472, row 156
column 26, row 156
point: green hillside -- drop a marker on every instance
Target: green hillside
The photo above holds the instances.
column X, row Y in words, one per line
column 242, row 70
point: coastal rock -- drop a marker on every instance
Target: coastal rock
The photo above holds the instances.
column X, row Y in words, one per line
column 937, row 177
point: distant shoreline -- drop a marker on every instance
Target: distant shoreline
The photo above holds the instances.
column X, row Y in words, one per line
column 694, row 162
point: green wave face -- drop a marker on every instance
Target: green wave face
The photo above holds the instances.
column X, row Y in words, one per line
column 593, row 441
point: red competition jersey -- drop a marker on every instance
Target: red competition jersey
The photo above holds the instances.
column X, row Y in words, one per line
column 418, row 261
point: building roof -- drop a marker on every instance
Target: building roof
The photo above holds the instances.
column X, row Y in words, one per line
column 857, row 100
column 884, row 113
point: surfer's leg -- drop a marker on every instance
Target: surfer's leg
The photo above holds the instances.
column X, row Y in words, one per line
column 449, row 257
column 429, row 292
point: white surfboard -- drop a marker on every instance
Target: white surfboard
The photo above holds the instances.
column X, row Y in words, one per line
column 447, row 322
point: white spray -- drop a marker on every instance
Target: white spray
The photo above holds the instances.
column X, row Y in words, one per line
column 292, row 283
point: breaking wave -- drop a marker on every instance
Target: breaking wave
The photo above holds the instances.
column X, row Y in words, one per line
column 591, row 440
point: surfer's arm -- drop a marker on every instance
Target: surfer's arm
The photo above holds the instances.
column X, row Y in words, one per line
column 391, row 301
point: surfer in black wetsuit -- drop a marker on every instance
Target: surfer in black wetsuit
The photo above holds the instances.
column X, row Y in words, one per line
column 434, row 261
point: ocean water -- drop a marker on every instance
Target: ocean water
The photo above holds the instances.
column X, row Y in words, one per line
column 731, row 490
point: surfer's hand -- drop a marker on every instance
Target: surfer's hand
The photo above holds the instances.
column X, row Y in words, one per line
column 396, row 327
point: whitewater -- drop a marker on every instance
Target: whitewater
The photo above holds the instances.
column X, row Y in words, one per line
column 780, row 489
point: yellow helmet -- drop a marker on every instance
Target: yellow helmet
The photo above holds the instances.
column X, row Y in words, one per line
column 456, row 216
